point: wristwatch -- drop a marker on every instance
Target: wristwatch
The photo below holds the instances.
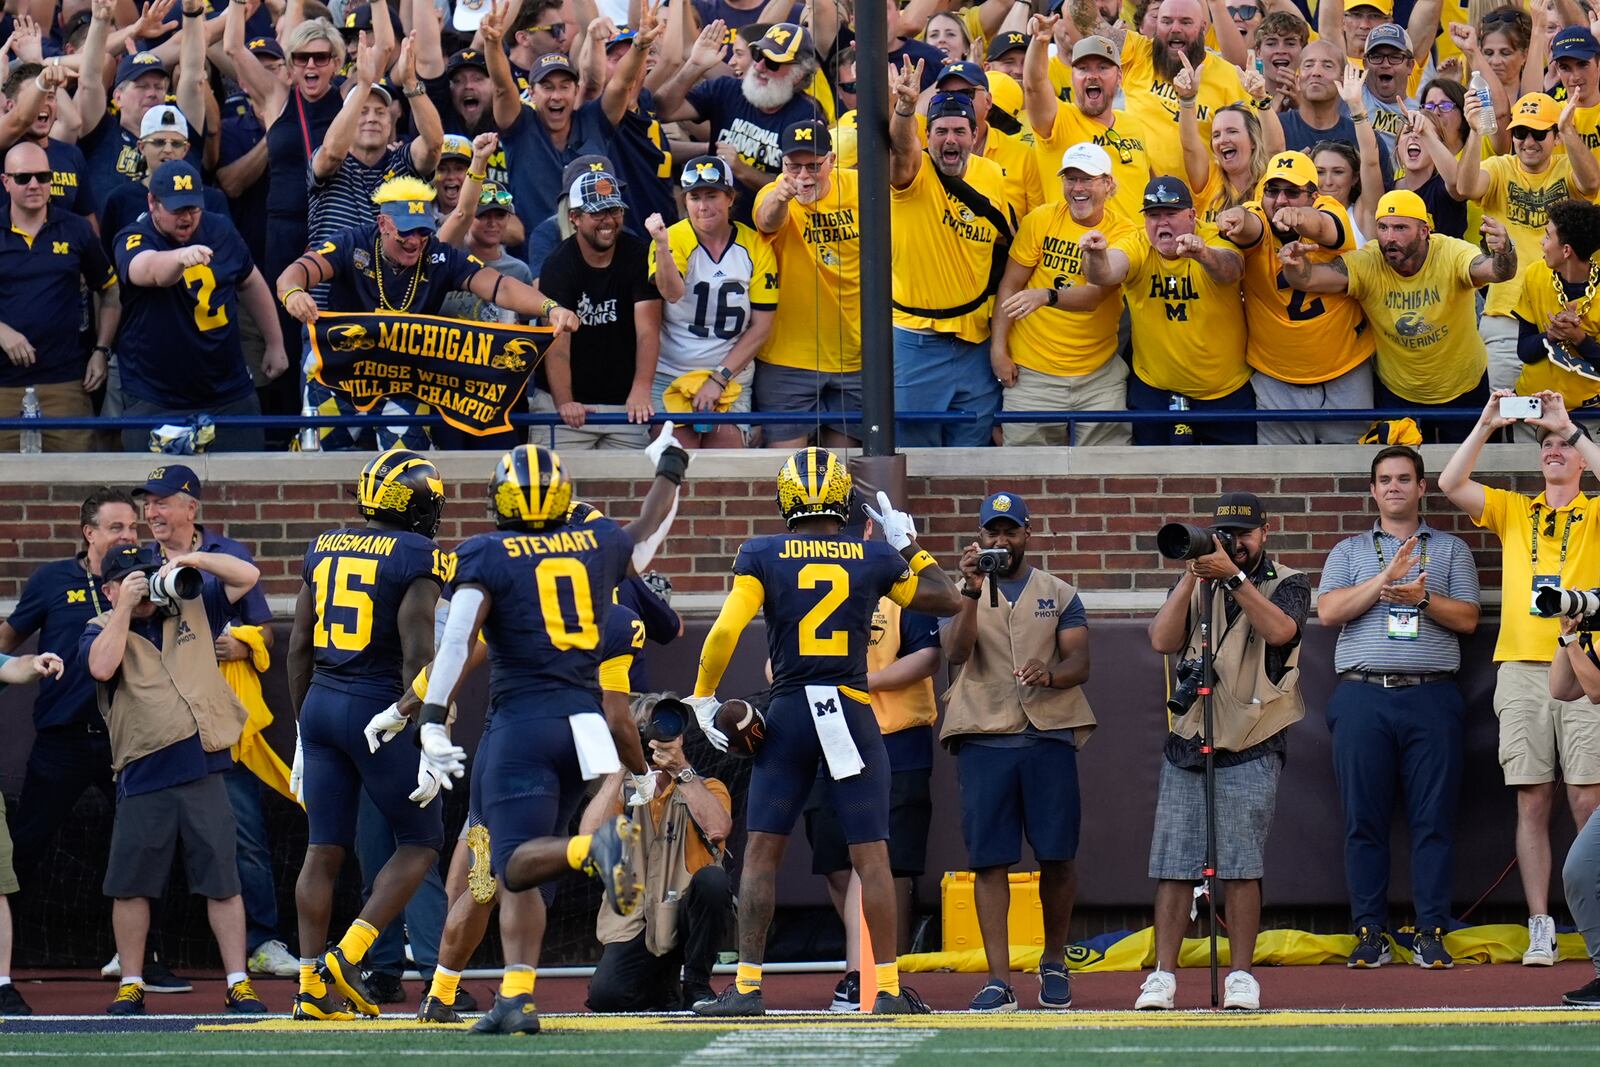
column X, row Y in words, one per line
column 414, row 92
column 1422, row 605
column 1566, row 639
column 723, row 374
column 686, row 776
column 1232, row 584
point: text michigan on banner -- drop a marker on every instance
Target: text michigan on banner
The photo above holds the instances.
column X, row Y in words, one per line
column 473, row 373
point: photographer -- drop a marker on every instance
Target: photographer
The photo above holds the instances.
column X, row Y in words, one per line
column 172, row 719
column 1574, row 673
column 1544, row 541
column 1401, row 592
column 1258, row 615
column 687, row 895
column 1015, row 716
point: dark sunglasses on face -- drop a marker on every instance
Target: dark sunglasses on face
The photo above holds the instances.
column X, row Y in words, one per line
column 847, row 87
column 29, row 177
column 1520, row 133
column 557, row 30
column 311, row 59
column 770, row 63
column 1244, row 12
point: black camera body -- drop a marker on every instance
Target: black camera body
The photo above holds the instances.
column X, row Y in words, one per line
column 1186, row 686
column 993, row 560
column 668, row 719
column 1180, row 540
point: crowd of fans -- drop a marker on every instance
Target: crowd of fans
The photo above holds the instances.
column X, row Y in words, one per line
column 1176, row 205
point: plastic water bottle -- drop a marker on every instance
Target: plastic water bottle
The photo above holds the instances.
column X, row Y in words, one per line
column 1486, row 120
column 33, row 439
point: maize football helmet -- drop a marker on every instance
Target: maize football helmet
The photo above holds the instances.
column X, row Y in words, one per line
column 401, row 487
column 529, row 490
column 814, row 482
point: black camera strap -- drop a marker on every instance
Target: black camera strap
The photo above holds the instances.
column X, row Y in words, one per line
column 999, row 251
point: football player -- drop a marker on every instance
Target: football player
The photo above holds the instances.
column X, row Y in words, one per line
column 817, row 590
column 363, row 625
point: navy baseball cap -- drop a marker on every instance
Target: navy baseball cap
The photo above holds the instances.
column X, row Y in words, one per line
column 967, row 71
column 1389, row 35
column 809, row 136
column 176, row 185
column 707, row 172
column 624, row 36
column 590, row 164
column 174, row 478
column 1166, row 192
column 265, row 46
column 1003, row 506
column 465, row 58
column 1009, row 41
column 951, row 106
column 1574, row 42
column 131, row 67
column 548, row 64
column 123, row 560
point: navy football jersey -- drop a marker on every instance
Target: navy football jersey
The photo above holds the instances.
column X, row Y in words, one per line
column 353, row 255
column 821, row 593
column 358, row 577
column 551, row 596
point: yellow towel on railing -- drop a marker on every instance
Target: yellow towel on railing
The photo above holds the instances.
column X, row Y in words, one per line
column 244, row 678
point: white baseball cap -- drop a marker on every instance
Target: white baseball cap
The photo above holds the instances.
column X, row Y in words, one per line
column 163, row 117
column 1087, row 157
column 468, row 15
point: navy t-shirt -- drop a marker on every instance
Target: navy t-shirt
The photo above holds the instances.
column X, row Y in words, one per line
column 242, row 130
column 644, row 163
column 445, row 268
column 57, row 602
column 69, row 177
column 113, row 158
column 39, row 294
column 1300, row 137
column 535, row 163
column 752, row 132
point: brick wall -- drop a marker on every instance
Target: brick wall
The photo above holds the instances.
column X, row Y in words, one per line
column 1095, row 511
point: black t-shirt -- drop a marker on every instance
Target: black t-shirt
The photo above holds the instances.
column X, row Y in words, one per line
column 604, row 349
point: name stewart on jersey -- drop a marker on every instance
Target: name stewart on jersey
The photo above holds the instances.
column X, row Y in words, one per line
column 823, row 550
column 365, row 544
column 519, row 545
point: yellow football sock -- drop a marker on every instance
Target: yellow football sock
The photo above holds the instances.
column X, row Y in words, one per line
column 577, row 851
column 748, row 980
column 517, row 981
column 889, row 978
column 311, row 982
column 357, row 941
column 444, row 985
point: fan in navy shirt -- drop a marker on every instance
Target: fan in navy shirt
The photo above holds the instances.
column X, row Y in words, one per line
column 643, row 160
column 184, row 274
column 111, row 139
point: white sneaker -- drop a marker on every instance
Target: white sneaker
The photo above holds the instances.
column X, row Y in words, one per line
column 272, row 957
column 1541, row 942
column 1241, row 992
column 1157, row 992
column 113, row 967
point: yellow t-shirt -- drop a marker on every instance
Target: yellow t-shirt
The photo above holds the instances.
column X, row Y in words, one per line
column 1054, row 340
column 1153, row 105
column 1302, row 338
column 1426, row 326
column 818, row 324
column 1020, row 166
column 1188, row 331
column 1510, row 516
column 1537, row 304
column 1061, row 79
column 1522, row 201
column 1123, row 141
column 1587, row 122
column 943, row 251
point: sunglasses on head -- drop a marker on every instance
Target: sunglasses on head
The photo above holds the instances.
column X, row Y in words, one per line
column 311, row 59
column 702, row 174
column 1246, row 12
column 1522, row 133
column 1162, row 195
column 29, row 177
column 500, row 197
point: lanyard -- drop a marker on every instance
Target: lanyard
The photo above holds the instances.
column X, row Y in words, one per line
column 94, row 589
column 1533, row 538
column 1377, row 546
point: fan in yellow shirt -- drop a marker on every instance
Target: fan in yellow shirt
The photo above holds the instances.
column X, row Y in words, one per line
column 1573, row 53
column 1024, row 192
column 1417, row 289
column 1181, row 282
column 1557, row 318
column 1055, row 339
column 1308, row 352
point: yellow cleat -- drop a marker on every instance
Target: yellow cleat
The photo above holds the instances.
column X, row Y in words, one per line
column 480, row 879
column 330, row 1007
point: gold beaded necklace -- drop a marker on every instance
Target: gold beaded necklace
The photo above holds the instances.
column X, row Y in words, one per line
column 416, row 277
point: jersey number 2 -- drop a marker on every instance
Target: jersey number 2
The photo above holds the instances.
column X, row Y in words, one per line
column 837, row 580
column 549, row 573
column 204, row 281
column 1300, row 309
column 343, row 592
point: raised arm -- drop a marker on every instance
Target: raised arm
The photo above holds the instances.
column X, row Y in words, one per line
column 341, row 135
column 1472, row 183
column 1102, row 264
column 1037, row 91
column 453, row 230
column 1196, row 153
column 266, row 91
column 91, row 92
column 1456, row 481
column 427, row 39
column 507, row 98
column 671, row 103
column 192, row 85
column 1585, row 170
column 429, row 141
column 905, row 143
column 622, row 89
column 1231, row 44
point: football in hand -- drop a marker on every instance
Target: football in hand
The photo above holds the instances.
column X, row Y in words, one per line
column 745, row 726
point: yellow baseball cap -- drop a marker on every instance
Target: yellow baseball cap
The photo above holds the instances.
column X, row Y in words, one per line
column 1536, row 111
column 1005, row 94
column 1385, row 6
column 1295, row 167
column 1403, row 204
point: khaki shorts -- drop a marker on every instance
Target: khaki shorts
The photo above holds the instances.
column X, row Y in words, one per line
column 8, row 874
column 1539, row 735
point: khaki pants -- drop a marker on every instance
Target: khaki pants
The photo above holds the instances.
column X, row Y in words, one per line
column 1099, row 390
column 588, row 437
column 58, row 400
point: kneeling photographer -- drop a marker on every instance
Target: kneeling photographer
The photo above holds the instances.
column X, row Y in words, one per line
column 687, row 898
column 171, row 718
column 1258, row 612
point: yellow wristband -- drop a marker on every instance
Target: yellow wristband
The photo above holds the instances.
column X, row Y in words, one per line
column 922, row 561
column 284, row 296
column 477, row 177
column 419, row 684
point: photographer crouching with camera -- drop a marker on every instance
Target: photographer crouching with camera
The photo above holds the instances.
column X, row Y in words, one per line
column 171, row 718
column 688, row 898
column 1258, row 612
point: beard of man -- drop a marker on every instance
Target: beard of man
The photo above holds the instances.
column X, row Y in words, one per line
column 1168, row 65
column 779, row 89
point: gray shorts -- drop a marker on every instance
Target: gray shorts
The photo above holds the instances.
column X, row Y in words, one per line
column 1246, row 796
column 804, row 392
column 1350, row 390
column 148, row 828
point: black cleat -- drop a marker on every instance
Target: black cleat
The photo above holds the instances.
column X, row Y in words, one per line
column 906, row 1003
column 386, row 988
column 510, row 1015
column 465, row 1002
column 731, row 1004
column 1587, row 997
column 130, row 1000
column 612, row 856
column 434, row 1010
column 344, row 977
column 330, row 1007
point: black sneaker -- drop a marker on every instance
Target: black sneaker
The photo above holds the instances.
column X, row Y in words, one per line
column 434, row 1010
column 241, row 999
column 1372, row 949
column 11, row 1002
column 344, row 978
column 158, row 978
column 731, row 1003
column 510, row 1015
column 906, row 1003
column 1428, row 951
column 386, row 988
column 1587, row 997
column 130, row 1000
column 847, row 994
column 465, row 1001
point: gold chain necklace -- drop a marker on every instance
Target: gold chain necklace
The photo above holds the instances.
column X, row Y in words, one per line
column 416, row 277
column 1581, row 305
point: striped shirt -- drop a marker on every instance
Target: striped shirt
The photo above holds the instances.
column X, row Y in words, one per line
column 343, row 200
column 1364, row 642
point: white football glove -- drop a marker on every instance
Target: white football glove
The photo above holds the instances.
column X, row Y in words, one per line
column 297, row 773
column 383, row 726
column 428, row 783
column 898, row 528
column 663, row 441
column 440, row 753
column 705, row 713
column 644, row 789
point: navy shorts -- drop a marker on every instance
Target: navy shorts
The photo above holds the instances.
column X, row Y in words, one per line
column 1006, row 792
column 337, row 765
column 786, row 766
column 525, row 780
column 910, row 811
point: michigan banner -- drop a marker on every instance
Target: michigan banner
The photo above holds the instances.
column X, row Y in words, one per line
column 473, row 373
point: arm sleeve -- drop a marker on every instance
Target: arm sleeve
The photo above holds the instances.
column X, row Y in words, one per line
column 1530, row 341
column 1337, row 572
column 451, row 656
column 737, row 611
column 1073, row 616
column 1462, row 581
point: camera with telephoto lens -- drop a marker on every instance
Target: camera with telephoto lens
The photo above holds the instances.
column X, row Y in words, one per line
column 1180, row 540
column 1552, row 602
column 180, row 583
column 1190, row 673
column 993, row 560
column 668, row 719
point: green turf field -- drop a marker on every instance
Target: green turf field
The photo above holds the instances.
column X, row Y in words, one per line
column 1286, row 1037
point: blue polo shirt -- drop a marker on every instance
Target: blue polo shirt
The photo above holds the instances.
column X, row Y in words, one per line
column 250, row 609
column 57, row 602
column 40, row 294
column 535, row 163
column 182, row 761
column 69, row 177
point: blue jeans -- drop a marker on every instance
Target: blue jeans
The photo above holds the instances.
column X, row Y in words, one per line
column 255, row 857
column 423, row 918
column 941, row 372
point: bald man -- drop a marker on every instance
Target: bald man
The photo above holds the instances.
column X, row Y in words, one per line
column 1319, row 117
